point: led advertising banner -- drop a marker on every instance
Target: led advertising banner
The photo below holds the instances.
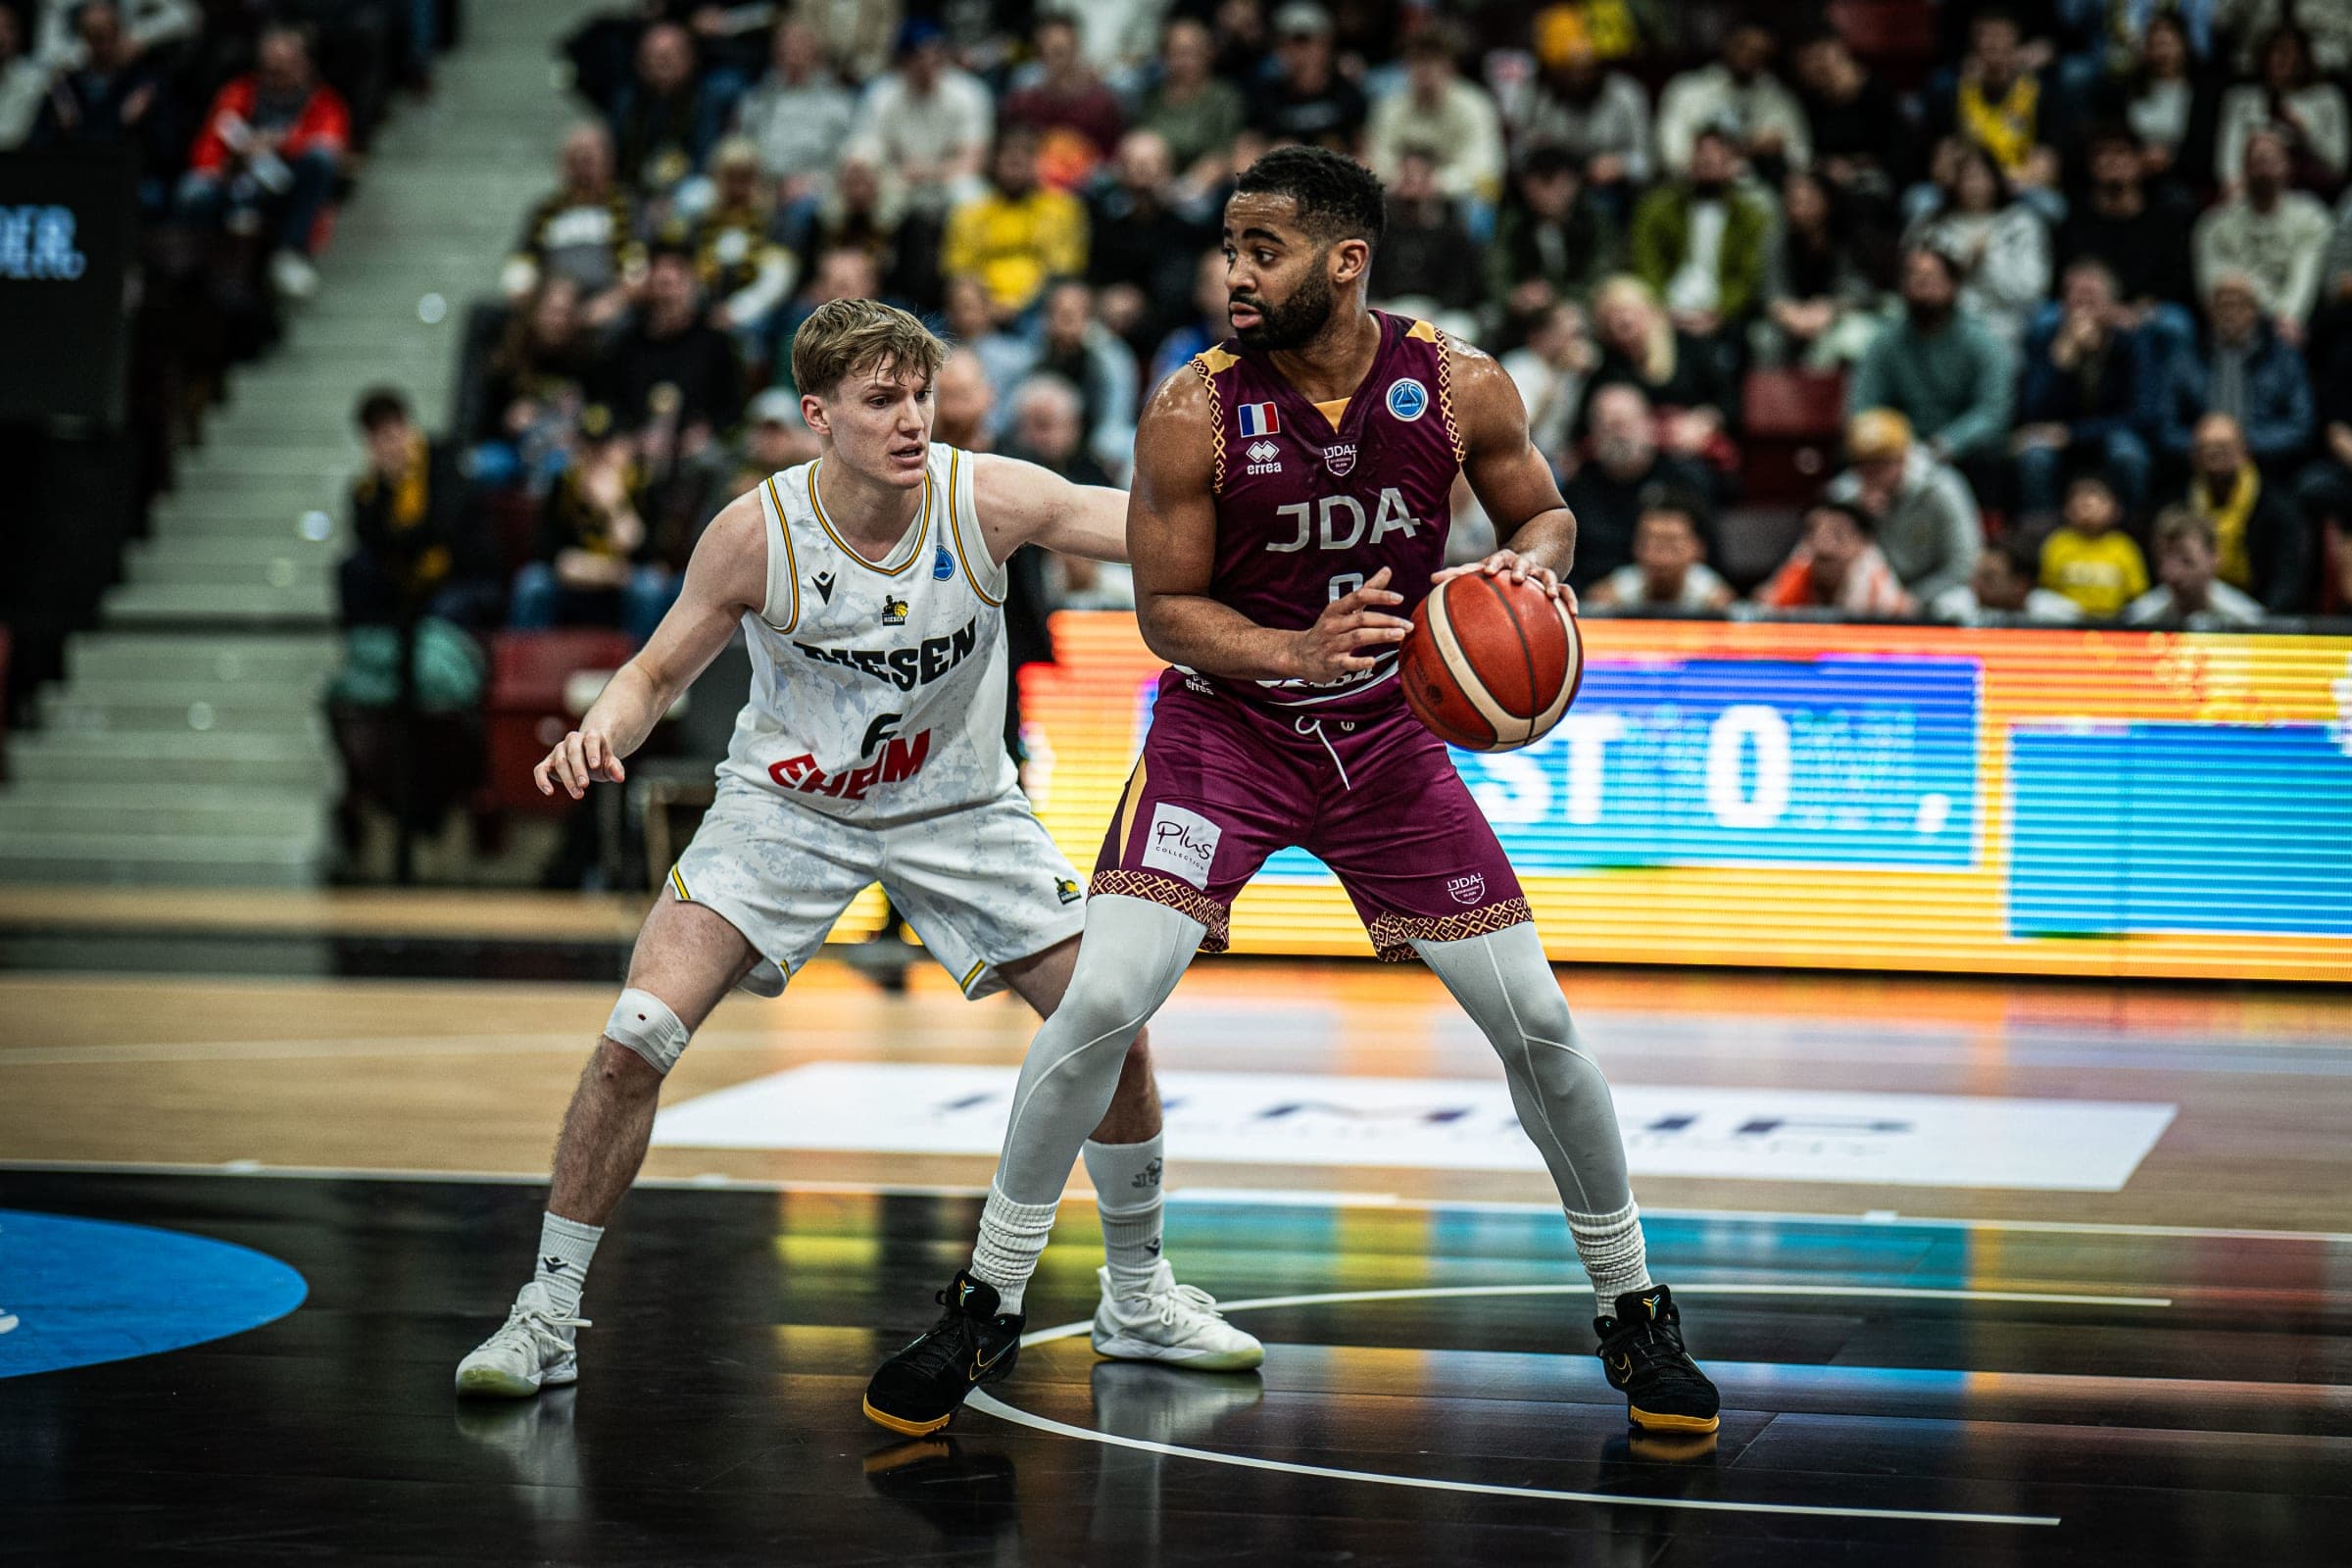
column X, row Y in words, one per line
column 65, row 235
column 2073, row 802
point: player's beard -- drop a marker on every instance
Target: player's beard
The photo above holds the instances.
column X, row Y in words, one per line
column 1293, row 322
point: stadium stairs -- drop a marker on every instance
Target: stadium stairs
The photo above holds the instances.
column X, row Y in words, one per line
column 187, row 744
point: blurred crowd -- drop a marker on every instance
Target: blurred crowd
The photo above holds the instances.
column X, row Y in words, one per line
column 2063, row 291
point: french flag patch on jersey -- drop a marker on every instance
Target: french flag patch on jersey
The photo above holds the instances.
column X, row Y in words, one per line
column 1257, row 419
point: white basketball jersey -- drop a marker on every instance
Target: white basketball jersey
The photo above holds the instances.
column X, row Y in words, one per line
column 877, row 687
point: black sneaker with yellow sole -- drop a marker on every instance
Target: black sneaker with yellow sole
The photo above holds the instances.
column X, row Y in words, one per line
column 1642, row 1354
column 921, row 1389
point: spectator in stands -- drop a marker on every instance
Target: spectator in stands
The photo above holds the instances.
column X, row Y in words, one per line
column 1924, row 516
column 1197, row 112
column 1825, row 286
column 536, row 385
column 2291, row 99
column 927, row 120
column 963, row 403
column 1597, row 118
column 2257, row 528
column 1077, row 120
column 1862, row 143
column 796, row 115
column 2001, row 245
column 419, row 544
column 23, row 84
column 1018, row 234
column 2003, row 585
column 1836, row 565
column 1668, row 569
column 1739, row 97
column 1003, row 355
column 2167, row 105
column 1552, row 241
column 1304, row 97
column 1623, row 464
column 2140, row 236
column 1549, row 370
column 272, row 143
column 1079, row 349
column 1424, row 244
column 2088, row 558
column 1049, row 430
column 745, row 268
column 1688, row 379
column 149, row 29
column 2324, row 490
column 111, row 97
column 582, row 231
column 594, row 561
column 1438, row 111
column 1699, row 240
column 2243, row 368
column 1999, row 104
column 672, row 379
column 1938, row 366
column 2275, row 236
column 1143, row 243
column 2086, row 373
column 1210, row 324
column 664, row 120
column 2190, row 593
column 865, row 211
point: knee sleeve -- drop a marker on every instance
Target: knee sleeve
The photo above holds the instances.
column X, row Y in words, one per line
column 644, row 1023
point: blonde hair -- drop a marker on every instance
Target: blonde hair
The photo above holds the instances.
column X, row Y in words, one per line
column 2177, row 523
column 843, row 338
column 1657, row 347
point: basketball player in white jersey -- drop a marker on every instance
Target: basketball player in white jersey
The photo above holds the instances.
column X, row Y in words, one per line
column 868, row 584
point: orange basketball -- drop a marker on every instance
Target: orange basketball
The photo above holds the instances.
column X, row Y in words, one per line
column 1492, row 663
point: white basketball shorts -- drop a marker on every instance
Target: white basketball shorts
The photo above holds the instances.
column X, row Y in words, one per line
column 981, row 885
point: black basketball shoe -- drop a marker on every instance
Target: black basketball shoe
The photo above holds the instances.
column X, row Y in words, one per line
column 1641, row 1353
column 918, row 1390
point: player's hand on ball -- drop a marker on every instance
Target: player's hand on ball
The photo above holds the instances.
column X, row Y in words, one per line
column 1518, row 568
column 1351, row 630
column 577, row 761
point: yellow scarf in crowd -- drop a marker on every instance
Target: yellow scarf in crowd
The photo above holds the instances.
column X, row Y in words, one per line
column 2002, row 126
column 2229, row 518
column 410, row 499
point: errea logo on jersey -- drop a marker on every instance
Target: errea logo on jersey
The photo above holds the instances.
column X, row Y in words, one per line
column 1264, row 457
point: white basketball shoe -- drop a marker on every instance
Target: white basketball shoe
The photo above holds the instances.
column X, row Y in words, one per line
column 1171, row 1323
column 531, row 1350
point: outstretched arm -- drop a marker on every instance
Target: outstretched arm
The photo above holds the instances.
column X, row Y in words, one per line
column 1021, row 504
column 1511, row 478
column 1172, row 535
column 726, row 576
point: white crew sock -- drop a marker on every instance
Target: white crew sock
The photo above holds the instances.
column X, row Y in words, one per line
column 1013, row 1235
column 565, row 1247
column 1128, row 1196
column 1610, row 1245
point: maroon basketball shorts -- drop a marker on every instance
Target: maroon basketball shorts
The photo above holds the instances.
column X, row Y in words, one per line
column 1224, row 782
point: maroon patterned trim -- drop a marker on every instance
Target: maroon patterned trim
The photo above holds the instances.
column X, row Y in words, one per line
column 1394, row 935
column 1182, row 897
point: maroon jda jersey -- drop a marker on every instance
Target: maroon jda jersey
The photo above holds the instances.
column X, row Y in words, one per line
column 1307, row 512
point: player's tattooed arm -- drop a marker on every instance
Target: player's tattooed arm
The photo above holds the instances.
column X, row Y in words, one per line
column 1020, row 503
column 1172, row 538
column 1511, row 479
column 726, row 576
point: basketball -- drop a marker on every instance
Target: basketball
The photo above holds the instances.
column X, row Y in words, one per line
column 1492, row 663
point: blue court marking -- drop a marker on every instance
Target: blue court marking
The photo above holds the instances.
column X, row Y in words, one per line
column 86, row 1290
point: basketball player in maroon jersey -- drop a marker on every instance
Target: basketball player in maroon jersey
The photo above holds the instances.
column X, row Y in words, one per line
column 1290, row 508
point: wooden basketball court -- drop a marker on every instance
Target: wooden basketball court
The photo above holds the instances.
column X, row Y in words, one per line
column 2141, row 1356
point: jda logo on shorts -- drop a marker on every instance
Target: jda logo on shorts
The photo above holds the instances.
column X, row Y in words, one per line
column 1182, row 841
column 1467, row 889
column 1408, row 398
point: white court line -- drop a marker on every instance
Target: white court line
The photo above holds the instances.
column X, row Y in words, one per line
column 1302, row 1198
column 989, row 1404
